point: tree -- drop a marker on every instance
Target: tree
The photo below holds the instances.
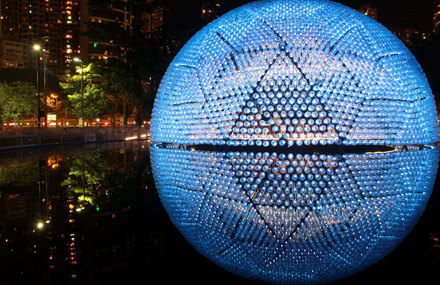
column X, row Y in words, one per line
column 11, row 174
column 95, row 100
column 104, row 180
column 135, row 75
column 86, row 174
column 17, row 101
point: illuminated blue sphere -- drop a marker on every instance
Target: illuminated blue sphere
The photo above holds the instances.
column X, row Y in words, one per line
column 292, row 141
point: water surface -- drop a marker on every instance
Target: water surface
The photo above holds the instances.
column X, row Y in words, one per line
column 91, row 214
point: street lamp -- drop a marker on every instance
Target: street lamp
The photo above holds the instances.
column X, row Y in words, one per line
column 37, row 48
column 77, row 59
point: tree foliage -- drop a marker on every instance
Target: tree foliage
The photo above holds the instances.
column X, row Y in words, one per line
column 11, row 174
column 17, row 101
column 95, row 100
column 134, row 77
column 86, row 174
column 103, row 179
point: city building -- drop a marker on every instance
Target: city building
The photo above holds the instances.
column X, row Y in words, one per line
column 152, row 22
column 70, row 40
column 32, row 22
column 210, row 9
column 11, row 54
column 97, row 47
column 436, row 17
column 62, row 29
column 369, row 11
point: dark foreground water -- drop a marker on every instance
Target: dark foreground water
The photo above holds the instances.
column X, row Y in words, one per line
column 91, row 215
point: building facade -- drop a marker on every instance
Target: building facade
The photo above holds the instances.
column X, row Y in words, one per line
column 11, row 54
column 210, row 9
column 436, row 17
column 29, row 22
column 366, row 9
column 70, row 39
column 62, row 29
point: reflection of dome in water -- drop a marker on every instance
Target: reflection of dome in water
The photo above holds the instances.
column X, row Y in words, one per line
column 329, row 219
column 291, row 141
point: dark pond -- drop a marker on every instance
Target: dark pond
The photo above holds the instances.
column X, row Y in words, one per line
column 91, row 214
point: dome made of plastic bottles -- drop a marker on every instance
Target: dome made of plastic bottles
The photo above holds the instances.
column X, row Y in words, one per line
column 292, row 72
column 292, row 141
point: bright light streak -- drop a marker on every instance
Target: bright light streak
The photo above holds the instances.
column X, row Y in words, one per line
column 131, row 138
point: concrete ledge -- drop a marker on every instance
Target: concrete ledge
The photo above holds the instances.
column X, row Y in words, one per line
column 34, row 137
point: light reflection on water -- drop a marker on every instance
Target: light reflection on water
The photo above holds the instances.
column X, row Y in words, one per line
column 92, row 214
column 294, row 217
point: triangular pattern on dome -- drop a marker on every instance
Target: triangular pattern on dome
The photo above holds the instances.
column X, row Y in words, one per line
column 334, row 215
column 385, row 42
column 234, row 80
column 284, row 109
column 222, row 213
column 406, row 186
column 285, row 9
column 346, row 204
column 355, row 41
column 354, row 51
column 343, row 95
column 180, row 107
column 212, row 51
column 287, row 189
column 389, row 111
column 250, row 261
column 246, row 55
column 332, row 74
column 251, row 36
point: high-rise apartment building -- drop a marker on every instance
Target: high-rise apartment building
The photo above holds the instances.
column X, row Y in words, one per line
column 153, row 21
column 117, row 14
column 369, row 11
column 14, row 30
column 61, row 28
column 11, row 54
column 210, row 9
column 101, row 47
column 436, row 18
column 70, row 39
column 32, row 22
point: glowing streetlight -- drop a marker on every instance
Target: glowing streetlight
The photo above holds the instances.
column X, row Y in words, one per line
column 37, row 48
column 40, row 225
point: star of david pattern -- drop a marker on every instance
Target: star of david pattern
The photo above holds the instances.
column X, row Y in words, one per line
column 292, row 141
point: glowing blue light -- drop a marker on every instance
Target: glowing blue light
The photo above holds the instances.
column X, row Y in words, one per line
column 265, row 217
column 291, row 141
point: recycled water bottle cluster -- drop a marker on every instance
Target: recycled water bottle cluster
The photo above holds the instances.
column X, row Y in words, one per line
column 285, row 218
column 291, row 141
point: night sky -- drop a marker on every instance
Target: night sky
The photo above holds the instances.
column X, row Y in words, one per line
column 394, row 14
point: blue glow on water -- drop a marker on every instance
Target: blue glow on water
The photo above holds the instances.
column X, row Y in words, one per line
column 289, row 218
column 294, row 75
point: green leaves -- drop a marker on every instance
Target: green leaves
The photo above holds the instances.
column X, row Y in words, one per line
column 96, row 101
column 11, row 174
column 17, row 101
